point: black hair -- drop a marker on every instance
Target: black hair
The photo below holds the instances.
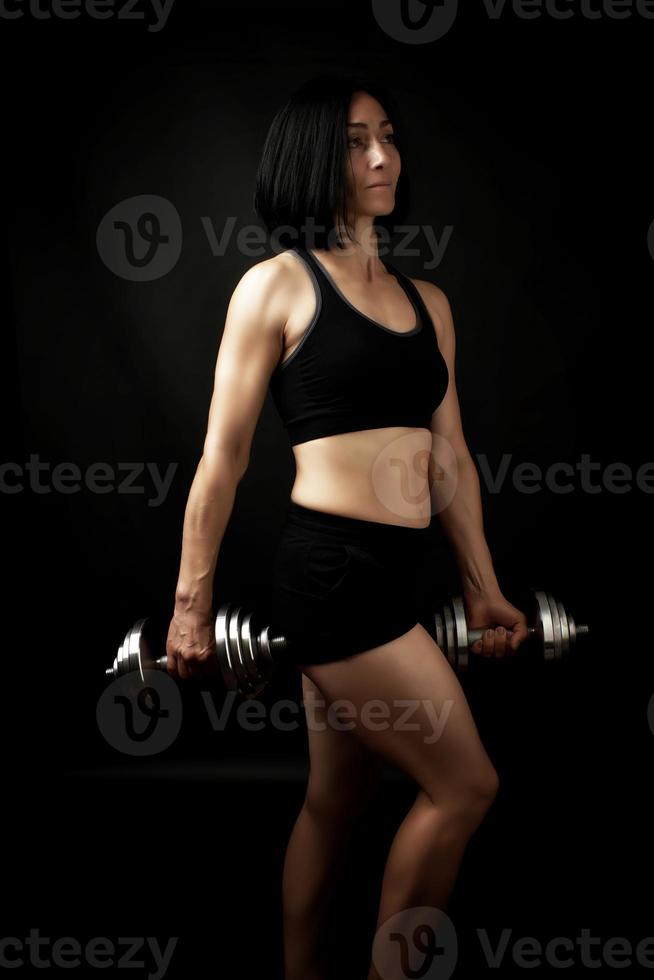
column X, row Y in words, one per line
column 301, row 178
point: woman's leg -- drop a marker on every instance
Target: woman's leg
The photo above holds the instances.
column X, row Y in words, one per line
column 408, row 707
column 343, row 774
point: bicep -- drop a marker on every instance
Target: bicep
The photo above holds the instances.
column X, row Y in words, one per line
column 446, row 420
column 249, row 351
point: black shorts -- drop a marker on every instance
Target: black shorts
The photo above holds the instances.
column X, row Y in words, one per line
column 342, row 585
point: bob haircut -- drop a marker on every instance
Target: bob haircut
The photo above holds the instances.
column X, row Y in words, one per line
column 301, row 179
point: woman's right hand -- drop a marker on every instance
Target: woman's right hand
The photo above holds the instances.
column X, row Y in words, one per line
column 191, row 646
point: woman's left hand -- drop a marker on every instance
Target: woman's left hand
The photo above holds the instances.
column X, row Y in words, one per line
column 505, row 627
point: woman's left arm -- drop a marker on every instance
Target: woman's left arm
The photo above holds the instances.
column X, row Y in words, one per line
column 456, row 498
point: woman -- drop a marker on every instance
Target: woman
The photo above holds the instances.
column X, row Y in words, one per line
column 360, row 362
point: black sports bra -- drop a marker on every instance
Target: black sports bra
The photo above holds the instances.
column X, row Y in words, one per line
column 349, row 372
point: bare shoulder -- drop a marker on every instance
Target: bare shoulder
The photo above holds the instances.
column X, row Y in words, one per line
column 438, row 307
column 274, row 268
column 269, row 276
column 264, row 291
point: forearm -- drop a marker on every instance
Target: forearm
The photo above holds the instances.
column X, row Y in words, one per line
column 462, row 522
column 208, row 509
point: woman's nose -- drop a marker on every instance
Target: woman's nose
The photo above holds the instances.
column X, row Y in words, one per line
column 379, row 154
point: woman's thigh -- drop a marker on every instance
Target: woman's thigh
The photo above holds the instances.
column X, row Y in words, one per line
column 403, row 702
column 343, row 771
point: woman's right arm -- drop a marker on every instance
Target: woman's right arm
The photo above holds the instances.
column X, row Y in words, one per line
column 250, row 348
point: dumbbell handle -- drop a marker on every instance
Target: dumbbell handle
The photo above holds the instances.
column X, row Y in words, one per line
column 161, row 663
column 478, row 634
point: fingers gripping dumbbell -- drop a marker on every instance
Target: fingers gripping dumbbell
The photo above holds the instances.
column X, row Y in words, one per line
column 247, row 653
column 554, row 630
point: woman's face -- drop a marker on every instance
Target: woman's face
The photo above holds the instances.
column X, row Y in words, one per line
column 374, row 158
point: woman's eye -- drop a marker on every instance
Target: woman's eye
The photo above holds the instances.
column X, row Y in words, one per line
column 354, row 139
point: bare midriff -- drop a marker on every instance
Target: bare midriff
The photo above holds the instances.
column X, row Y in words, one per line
column 376, row 475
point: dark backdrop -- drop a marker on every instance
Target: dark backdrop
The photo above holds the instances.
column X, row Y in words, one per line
column 529, row 149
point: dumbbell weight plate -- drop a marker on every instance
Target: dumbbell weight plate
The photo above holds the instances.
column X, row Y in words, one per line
column 453, row 652
column 544, row 626
column 243, row 647
column 565, row 626
column 266, row 661
column 224, row 649
column 439, row 630
column 149, row 644
column 234, row 622
column 556, row 626
column 461, row 631
column 121, row 664
column 136, row 653
column 138, row 649
column 244, row 657
column 236, row 648
column 129, row 654
column 248, row 648
column 260, row 659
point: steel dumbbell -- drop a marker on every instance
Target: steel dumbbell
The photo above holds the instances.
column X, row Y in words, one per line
column 245, row 651
column 554, row 629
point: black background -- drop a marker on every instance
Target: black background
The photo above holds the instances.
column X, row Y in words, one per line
column 530, row 140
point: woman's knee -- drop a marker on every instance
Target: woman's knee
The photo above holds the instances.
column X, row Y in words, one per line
column 486, row 789
column 471, row 799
